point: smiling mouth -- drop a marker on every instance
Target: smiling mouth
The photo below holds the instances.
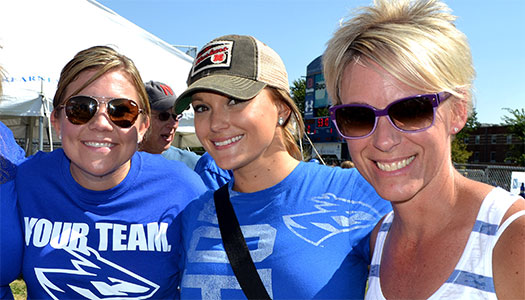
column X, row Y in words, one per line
column 166, row 136
column 228, row 141
column 395, row 165
column 99, row 145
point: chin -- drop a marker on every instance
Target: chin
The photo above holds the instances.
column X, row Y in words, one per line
column 394, row 195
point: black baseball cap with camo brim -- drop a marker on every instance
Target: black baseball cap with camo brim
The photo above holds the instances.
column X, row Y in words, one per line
column 237, row 66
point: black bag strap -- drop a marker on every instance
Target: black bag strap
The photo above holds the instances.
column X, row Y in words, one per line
column 236, row 248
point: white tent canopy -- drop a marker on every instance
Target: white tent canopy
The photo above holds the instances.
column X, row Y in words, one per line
column 39, row 37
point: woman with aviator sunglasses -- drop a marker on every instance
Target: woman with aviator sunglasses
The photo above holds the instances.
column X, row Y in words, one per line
column 400, row 75
column 302, row 222
column 101, row 220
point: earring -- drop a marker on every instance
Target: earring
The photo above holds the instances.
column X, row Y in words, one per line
column 456, row 129
column 281, row 121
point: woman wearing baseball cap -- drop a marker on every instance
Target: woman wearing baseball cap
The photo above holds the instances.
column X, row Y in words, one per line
column 300, row 222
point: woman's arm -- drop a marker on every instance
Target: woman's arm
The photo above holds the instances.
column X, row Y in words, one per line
column 508, row 258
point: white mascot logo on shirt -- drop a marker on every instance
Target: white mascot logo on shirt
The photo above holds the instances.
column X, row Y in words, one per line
column 115, row 281
column 90, row 275
column 315, row 227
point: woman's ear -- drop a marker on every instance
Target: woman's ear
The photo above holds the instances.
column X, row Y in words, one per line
column 142, row 129
column 284, row 111
column 459, row 112
column 55, row 122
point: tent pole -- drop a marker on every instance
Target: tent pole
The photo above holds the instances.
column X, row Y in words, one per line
column 41, row 133
column 47, row 114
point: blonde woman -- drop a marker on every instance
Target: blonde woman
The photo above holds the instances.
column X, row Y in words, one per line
column 400, row 74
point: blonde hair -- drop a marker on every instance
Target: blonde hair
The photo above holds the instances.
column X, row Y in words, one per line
column 347, row 164
column 415, row 41
column 293, row 126
column 103, row 59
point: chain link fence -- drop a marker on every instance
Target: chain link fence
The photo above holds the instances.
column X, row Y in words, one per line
column 489, row 174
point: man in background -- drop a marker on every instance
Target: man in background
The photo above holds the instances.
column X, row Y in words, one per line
column 163, row 125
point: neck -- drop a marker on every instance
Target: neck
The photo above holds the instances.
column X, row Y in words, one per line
column 449, row 202
column 100, row 182
column 261, row 175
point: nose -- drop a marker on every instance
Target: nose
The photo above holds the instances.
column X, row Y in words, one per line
column 100, row 120
column 171, row 122
column 219, row 120
column 385, row 136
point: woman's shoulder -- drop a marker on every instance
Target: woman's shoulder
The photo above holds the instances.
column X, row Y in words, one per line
column 172, row 173
column 198, row 204
column 324, row 169
column 42, row 160
column 160, row 163
column 9, row 149
column 332, row 175
column 509, row 253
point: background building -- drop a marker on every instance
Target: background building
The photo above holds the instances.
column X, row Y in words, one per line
column 493, row 144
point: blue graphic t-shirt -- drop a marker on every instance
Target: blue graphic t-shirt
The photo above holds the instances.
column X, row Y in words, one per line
column 306, row 235
column 187, row 157
column 213, row 176
column 122, row 243
column 11, row 155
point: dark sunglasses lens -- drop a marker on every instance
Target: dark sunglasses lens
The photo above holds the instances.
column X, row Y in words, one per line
column 355, row 121
column 80, row 109
column 412, row 114
column 123, row 112
column 164, row 116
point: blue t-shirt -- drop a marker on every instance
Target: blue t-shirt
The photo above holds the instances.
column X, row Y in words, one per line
column 305, row 236
column 187, row 157
column 10, row 229
column 119, row 243
column 213, row 176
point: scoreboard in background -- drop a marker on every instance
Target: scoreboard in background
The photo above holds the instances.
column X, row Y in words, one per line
column 321, row 130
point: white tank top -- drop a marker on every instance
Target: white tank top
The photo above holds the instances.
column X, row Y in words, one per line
column 472, row 276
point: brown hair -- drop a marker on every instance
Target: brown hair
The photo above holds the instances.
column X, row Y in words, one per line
column 293, row 126
column 103, row 59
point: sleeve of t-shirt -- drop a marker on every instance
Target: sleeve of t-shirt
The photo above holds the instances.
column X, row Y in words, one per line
column 11, row 154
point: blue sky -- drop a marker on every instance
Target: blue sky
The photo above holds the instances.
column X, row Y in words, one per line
column 299, row 29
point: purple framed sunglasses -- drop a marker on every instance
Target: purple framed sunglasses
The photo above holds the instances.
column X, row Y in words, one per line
column 410, row 114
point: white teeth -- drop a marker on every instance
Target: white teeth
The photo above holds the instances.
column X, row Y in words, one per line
column 228, row 141
column 395, row 165
column 98, row 145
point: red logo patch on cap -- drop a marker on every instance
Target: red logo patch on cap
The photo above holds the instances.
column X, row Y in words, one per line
column 216, row 54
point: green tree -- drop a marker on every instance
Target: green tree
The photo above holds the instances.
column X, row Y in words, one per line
column 459, row 151
column 323, row 112
column 516, row 123
column 298, row 91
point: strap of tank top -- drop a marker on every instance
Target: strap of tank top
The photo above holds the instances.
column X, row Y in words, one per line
column 507, row 222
